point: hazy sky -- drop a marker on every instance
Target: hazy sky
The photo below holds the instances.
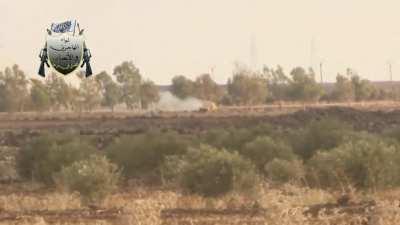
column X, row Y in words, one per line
column 170, row 37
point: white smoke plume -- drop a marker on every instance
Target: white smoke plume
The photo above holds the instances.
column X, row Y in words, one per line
column 169, row 102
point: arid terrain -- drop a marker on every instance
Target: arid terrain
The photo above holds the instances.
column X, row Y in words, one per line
column 23, row 202
column 371, row 116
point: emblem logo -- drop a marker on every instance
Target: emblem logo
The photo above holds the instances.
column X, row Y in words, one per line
column 65, row 52
column 65, row 49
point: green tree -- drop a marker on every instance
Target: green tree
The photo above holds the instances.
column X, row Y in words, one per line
column 247, row 87
column 13, row 89
column 182, row 87
column 303, row 86
column 40, row 97
column 89, row 93
column 110, row 90
column 363, row 89
column 207, row 89
column 343, row 90
column 128, row 75
column 148, row 94
column 61, row 94
column 278, row 83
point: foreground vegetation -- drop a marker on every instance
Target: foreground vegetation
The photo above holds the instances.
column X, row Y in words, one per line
column 325, row 154
column 283, row 169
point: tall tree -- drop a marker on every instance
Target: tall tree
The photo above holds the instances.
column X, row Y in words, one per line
column 182, row 87
column 40, row 97
column 247, row 87
column 363, row 89
column 207, row 89
column 343, row 90
column 148, row 94
column 278, row 83
column 111, row 92
column 303, row 86
column 128, row 75
column 89, row 93
column 13, row 89
column 60, row 92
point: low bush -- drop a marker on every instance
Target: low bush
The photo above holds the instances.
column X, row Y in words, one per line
column 231, row 139
column 47, row 154
column 264, row 149
column 324, row 134
column 393, row 134
column 282, row 171
column 209, row 171
column 172, row 169
column 142, row 155
column 368, row 162
column 94, row 178
column 235, row 138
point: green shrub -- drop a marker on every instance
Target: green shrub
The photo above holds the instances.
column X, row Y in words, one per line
column 8, row 170
column 172, row 168
column 218, row 138
column 264, row 149
column 324, row 134
column 94, row 178
column 369, row 162
column 282, row 171
column 230, row 139
column 142, row 155
column 211, row 172
column 393, row 134
column 47, row 154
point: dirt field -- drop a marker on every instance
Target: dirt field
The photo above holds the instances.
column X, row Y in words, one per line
column 28, row 203
column 372, row 117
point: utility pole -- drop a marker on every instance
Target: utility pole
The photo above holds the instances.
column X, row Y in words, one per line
column 321, row 73
column 253, row 52
column 390, row 72
column 312, row 52
column 391, row 75
column 212, row 71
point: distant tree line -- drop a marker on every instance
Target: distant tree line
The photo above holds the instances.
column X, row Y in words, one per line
column 18, row 94
column 127, row 86
column 272, row 85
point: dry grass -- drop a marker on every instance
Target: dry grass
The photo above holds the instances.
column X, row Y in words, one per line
column 284, row 205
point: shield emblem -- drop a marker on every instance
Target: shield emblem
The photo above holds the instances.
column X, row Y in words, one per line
column 65, row 52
